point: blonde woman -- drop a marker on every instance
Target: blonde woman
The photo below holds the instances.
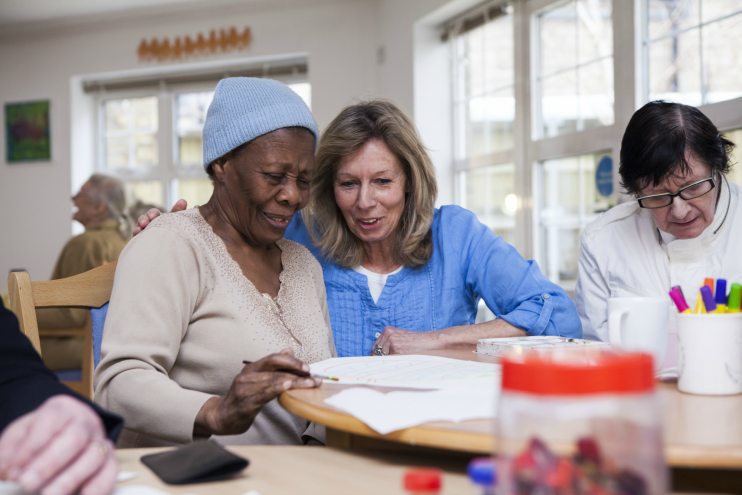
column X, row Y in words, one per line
column 401, row 275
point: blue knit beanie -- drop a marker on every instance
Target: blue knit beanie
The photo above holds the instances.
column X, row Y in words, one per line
column 244, row 108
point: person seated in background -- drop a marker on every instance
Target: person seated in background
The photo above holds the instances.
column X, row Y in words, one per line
column 51, row 439
column 680, row 230
column 99, row 207
column 211, row 306
column 401, row 275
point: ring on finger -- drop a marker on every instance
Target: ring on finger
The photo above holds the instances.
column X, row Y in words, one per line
column 379, row 351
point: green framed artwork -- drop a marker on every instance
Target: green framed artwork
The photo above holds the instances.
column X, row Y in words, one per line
column 27, row 131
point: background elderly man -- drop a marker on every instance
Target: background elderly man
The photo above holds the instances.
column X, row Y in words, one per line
column 99, row 207
column 681, row 228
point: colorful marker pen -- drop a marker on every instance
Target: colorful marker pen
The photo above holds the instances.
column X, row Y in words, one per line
column 699, row 304
column 709, row 282
column 720, row 296
column 679, row 300
column 735, row 295
column 708, row 300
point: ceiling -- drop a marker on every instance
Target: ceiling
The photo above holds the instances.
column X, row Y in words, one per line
column 25, row 11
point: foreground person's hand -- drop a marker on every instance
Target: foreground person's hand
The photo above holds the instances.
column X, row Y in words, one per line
column 59, row 448
column 394, row 340
column 257, row 384
column 144, row 220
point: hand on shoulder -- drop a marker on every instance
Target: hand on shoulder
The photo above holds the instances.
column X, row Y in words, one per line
column 145, row 220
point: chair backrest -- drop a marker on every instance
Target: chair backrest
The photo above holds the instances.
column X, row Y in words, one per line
column 91, row 289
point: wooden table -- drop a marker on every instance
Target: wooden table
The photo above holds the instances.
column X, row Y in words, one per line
column 282, row 470
column 700, row 431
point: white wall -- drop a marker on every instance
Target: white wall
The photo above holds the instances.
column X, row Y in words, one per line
column 39, row 61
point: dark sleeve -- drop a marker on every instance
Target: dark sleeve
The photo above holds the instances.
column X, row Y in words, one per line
column 25, row 383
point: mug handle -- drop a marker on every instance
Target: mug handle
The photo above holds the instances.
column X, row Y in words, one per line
column 615, row 318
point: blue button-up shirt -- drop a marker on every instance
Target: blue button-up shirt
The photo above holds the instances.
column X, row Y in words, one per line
column 469, row 263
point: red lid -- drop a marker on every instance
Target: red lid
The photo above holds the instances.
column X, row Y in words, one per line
column 422, row 480
column 617, row 373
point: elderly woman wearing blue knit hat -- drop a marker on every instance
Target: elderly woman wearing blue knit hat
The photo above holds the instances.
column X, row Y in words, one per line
column 205, row 289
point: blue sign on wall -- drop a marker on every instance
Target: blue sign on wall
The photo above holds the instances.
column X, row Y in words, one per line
column 604, row 176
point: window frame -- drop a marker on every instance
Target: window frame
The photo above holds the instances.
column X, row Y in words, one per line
column 167, row 170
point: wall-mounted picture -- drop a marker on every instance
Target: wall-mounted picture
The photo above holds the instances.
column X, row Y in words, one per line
column 27, row 131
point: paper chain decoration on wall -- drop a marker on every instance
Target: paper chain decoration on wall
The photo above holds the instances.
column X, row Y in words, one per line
column 225, row 41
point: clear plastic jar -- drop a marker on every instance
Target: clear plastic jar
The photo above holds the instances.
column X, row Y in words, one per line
column 576, row 427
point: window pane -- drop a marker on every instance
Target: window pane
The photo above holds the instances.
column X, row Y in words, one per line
column 559, row 109
column 498, row 49
column 117, row 152
column 570, row 200
column 595, row 101
column 484, row 107
column 713, row 9
column 594, row 30
column 117, row 114
column 675, row 69
column 145, row 149
column 130, row 133
column 191, row 111
column 490, row 122
column 196, row 192
column 664, row 17
column 490, row 194
column 722, row 56
column 691, row 62
column 575, row 72
column 558, row 39
column 149, row 192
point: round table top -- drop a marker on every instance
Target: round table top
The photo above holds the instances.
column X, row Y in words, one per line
column 699, row 431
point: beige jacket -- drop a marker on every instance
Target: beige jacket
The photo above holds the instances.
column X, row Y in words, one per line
column 100, row 243
column 183, row 317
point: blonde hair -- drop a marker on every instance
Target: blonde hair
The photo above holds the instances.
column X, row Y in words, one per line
column 346, row 134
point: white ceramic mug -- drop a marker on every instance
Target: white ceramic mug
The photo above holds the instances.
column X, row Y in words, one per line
column 639, row 324
column 710, row 353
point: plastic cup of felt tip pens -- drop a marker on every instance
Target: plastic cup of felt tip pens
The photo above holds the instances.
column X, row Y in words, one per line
column 710, row 340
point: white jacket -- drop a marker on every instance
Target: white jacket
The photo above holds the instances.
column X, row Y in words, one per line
column 622, row 254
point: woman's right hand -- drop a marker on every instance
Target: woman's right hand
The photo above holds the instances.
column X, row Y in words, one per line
column 257, row 384
column 144, row 220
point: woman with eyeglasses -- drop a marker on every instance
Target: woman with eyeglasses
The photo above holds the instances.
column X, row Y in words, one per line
column 680, row 230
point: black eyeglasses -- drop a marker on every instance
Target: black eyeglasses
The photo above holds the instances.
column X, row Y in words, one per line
column 692, row 191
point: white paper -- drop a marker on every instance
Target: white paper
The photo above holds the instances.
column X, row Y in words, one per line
column 138, row 490
column 392, row 411
column 8, row 488
column 125, row 476
column 425, row 372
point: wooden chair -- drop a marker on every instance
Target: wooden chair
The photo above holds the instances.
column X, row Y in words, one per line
column 91, row 289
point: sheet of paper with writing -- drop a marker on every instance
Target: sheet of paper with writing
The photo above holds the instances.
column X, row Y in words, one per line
column 410, row 371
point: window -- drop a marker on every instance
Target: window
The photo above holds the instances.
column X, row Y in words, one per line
column 574, row 77
column 693, row 50
column 484, row 110
column 537, row 131
column 574, row 191
column 154, row 144
column 484, row 103
column 490, row 193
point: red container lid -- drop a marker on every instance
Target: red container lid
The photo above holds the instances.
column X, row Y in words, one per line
column 422, row 480
column 608, row 373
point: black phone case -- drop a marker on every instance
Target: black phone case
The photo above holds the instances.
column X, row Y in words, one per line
column 195, row 463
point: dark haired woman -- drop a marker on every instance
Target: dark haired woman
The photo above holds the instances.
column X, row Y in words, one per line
column 680, row 229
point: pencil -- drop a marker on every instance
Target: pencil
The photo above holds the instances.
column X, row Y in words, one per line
column 300, row 373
